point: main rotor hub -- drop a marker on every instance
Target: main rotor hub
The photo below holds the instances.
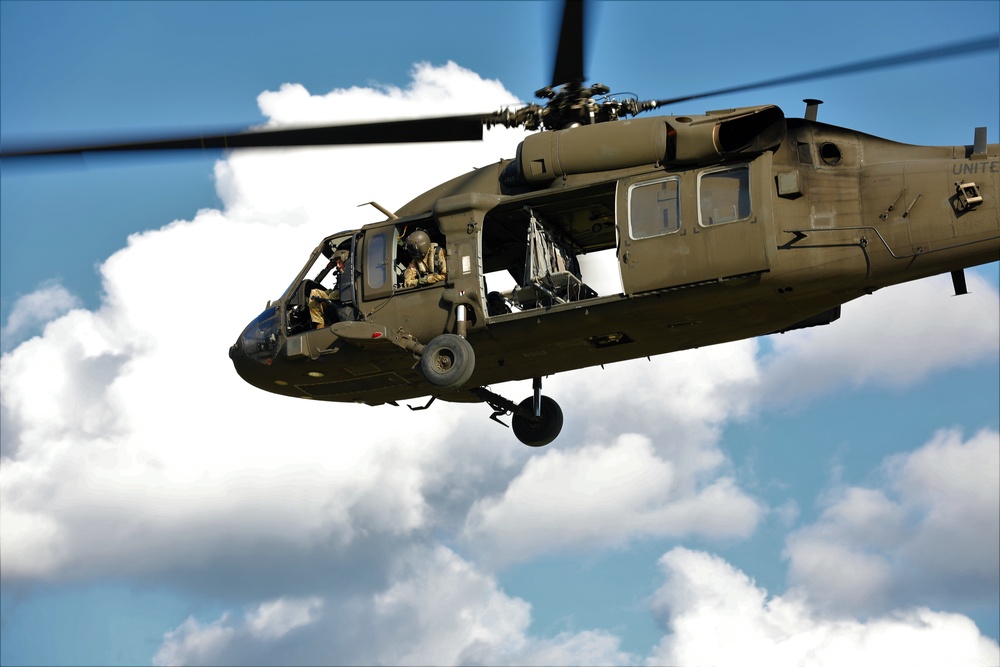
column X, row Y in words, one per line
column 570, row 106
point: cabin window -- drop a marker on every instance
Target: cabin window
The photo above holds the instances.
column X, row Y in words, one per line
column 654, row 208
column 724, row 196
column 376, row 266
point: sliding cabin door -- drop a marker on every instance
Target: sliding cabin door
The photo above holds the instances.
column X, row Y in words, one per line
column 688, row 228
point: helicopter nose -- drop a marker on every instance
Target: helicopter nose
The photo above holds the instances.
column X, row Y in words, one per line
column 259, row 341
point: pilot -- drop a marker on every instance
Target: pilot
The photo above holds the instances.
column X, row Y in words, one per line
column 427, row 263
column 337, row 304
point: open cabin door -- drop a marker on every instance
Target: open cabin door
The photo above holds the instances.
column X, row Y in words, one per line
column 688, row 228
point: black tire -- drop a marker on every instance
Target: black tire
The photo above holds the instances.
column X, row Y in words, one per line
column 448, row 361
column 538, row 431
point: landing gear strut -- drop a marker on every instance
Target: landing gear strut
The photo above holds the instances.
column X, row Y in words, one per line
column 536, row 421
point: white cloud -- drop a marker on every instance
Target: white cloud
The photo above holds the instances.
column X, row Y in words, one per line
column 437, row 609
column 325, row 186
column 277, row 618
column 446, row 90
column 135, row 449
column 681, row 399
column 31, row 311
column 192, row 643
column 599, row 495
column 714, row 614
column 932, row 535
column 892, row 338
column 441, row 606
column 131, row 446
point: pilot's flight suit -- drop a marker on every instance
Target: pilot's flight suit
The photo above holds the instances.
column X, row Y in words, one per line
column 340, row 300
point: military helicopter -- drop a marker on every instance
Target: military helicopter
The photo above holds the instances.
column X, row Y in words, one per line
column 726, row 225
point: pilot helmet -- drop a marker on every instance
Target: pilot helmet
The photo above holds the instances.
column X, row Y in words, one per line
column 418, row 243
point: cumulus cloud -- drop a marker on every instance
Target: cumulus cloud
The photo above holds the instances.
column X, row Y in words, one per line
column 447, row 89
column 891, row 338
column 31, row 311
column 681, row 399
column 664, row 477
column 128, row 438
column 131, row 449
column 441, row 609
column 327, row 185
column 603, row 496
column 932, row 534
column 715, row 614
column 438, row 609
column 194, row 643
column 132, row 441
column 277, row 618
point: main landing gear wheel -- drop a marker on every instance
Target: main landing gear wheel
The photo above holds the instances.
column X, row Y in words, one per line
column 448, row 361
column 537, row 431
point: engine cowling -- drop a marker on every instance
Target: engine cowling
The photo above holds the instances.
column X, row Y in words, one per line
column 664, row 140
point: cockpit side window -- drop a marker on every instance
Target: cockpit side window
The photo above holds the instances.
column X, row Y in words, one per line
column 378, row 264
column 388, row 261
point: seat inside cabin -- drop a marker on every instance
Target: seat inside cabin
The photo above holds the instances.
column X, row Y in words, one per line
column 551, row 272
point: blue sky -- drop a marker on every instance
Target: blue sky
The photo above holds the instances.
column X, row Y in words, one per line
column 159, row 510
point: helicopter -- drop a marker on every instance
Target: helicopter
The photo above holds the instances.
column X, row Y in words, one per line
column 725, row 225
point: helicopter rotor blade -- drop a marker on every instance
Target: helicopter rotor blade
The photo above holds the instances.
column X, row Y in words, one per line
column 956, row 49
column 451, row 128
column 568, row 70
column 569, row 53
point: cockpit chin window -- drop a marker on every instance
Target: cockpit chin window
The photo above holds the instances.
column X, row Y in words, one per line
column 259, row 341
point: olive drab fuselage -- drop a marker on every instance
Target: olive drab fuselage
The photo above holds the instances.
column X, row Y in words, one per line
column 721, row 227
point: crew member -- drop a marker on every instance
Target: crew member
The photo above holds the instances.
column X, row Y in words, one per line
column 427, row 265
column 337, row 304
